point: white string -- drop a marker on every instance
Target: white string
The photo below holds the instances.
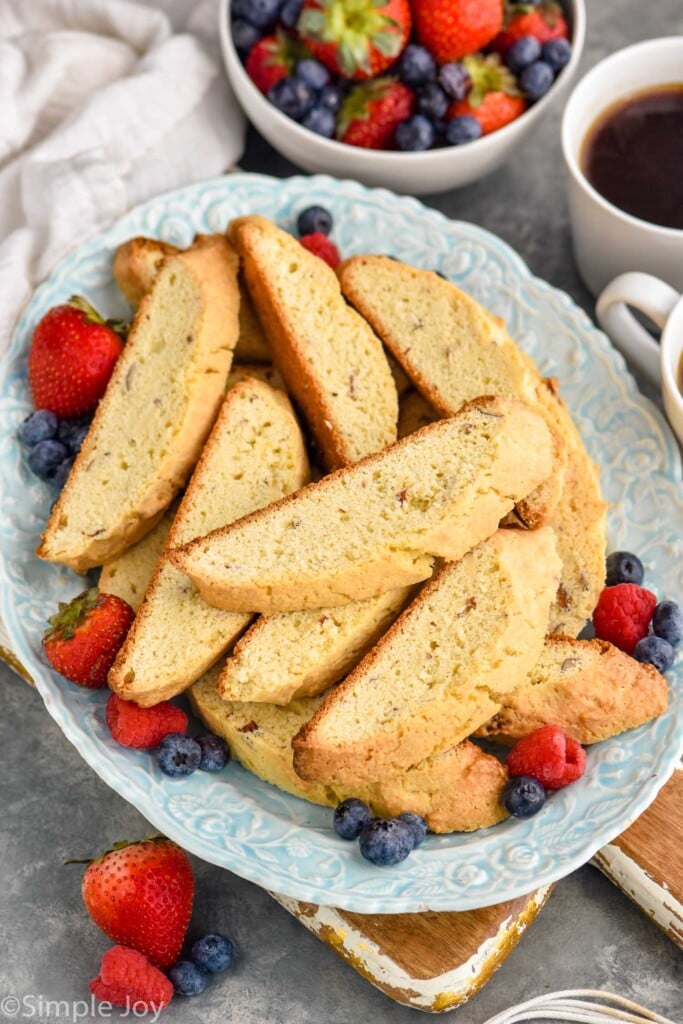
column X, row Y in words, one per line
column 571, row 1005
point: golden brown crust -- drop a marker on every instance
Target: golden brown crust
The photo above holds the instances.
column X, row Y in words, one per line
column 69, row 537
column 326, row 385
column 589, row 688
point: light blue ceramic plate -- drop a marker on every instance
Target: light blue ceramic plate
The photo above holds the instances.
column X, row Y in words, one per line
column 234, row 819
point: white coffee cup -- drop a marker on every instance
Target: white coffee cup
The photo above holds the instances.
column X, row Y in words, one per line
column 660, row 363
column 608, row 241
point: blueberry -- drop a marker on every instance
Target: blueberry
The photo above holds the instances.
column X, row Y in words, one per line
column 314, row 219
column 293, row 97
column 45, row 457
column 351, row 817
column 522, row 53
column 213, row 953
column 61, row 474
column 462, row 129
column 178, row 755
column 71, row 432
column 655, row 651
column 215, row 752
column 330, row 98
column 536, row 79
column 260, row 13
column 386, row 841
column 416, row 65
column 321, row 121
column 623, row 567
column 455, row 80
column 667, row 622
column 313, row 73
column 289, row 15
column 523, row 796
column 187, row 978
column 415, row 134
column 557, row 53
column 418, row 825
column 432, row 101
column 41, row 425
column 244, row 35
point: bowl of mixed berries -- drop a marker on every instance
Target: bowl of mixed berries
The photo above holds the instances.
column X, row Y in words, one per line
column 417, row 95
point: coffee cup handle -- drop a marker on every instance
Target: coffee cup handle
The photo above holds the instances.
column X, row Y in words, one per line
column 652, row 297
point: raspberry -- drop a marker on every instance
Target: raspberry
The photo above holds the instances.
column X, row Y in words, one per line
column 133, row 726
column 127, row 978
column 548, row 756
column 623, row 615
column 321, row 246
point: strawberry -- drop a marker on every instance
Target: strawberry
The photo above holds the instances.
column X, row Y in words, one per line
column 494, row 99
column 320, row 245
column 273, row 58
column 128, row 979
column 450, row 29
column 85, row 636
column 142, row 728
column 543, row 21
column 140, row 895
column 371, row 112
column 72, row 355
column 356, row 38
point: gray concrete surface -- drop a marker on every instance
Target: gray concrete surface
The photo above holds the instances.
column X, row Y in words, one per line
column 54, row 807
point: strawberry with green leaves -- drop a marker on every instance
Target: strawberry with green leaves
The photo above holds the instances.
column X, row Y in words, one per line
column 140, row 895
column 494, row 99
column 372, row 111
column 356, row 38
column 85, row 636
column 273, row 58
column 72, row 356
column 450, row 29
column 543, row 21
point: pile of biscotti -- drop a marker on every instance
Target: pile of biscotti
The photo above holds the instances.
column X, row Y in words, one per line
column 357, row 487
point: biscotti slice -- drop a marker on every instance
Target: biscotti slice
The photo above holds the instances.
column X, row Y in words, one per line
column 333, row 364
column 377, row 525
column 299, row 654
column 468, row 639
column 128, row 575
column 580, row 523
column 255, row 454
column 156, row 413
column 449, row 345
column 136, row 265
column 457, row 791
column 589, row 688
column 414, row 412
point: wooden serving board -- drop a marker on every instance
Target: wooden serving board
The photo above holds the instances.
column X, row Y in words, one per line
column 437, row 961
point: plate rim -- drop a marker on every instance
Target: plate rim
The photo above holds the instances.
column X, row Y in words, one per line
column 255, row 871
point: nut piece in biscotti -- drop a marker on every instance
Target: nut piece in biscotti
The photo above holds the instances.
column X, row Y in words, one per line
column 457, row 791
column 580, row 522
column 255, row 454
column 450, row 346
column 332, row 362
column 128, row 575
column 468, row 639
column 589, row 688
column 377, row 525
column 137, row 263
column 299, row 654
column 159, row 406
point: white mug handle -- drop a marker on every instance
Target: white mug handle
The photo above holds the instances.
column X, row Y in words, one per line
column 652, row 297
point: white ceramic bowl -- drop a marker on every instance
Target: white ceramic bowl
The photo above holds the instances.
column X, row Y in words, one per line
column 436, row 170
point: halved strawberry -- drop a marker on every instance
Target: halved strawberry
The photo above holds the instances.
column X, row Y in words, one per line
column 356, row 38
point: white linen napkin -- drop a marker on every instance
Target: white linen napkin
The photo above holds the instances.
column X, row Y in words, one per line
column 101, row 107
